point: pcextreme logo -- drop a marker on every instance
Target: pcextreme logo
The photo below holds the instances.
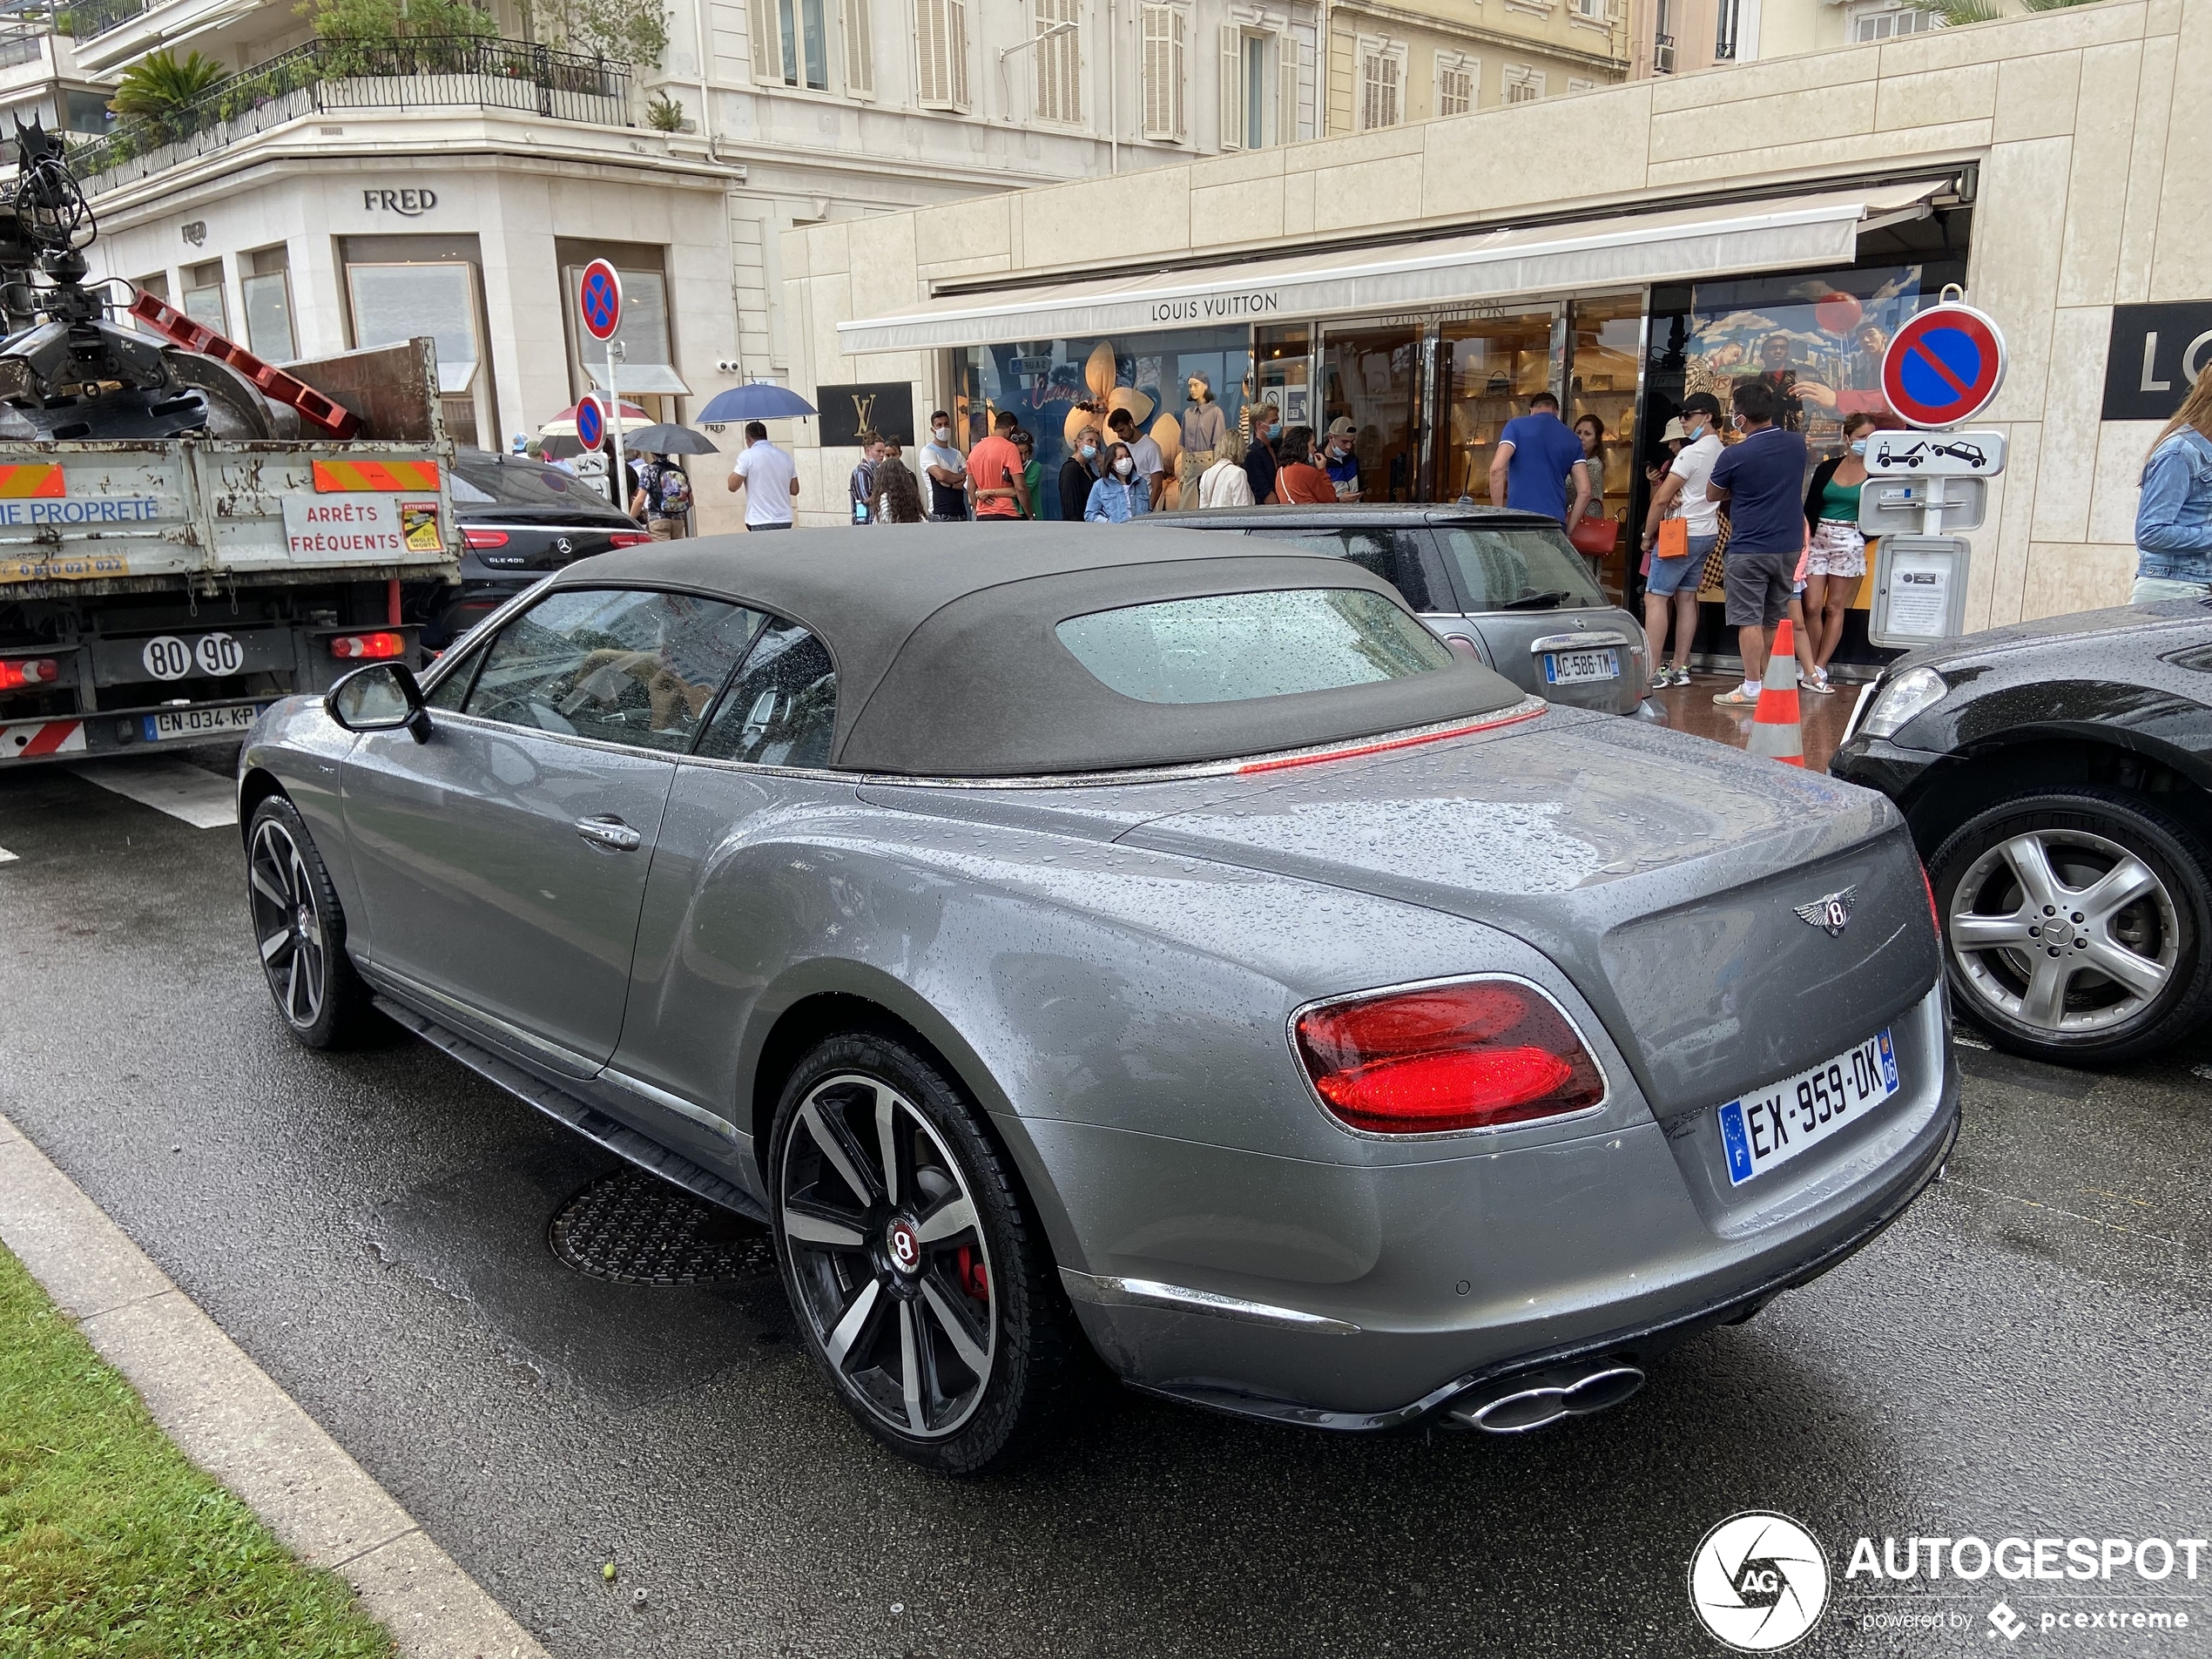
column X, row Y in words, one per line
column 1758, row 1581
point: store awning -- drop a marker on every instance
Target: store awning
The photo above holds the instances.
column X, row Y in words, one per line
column 1781, row 234
column 641, row 377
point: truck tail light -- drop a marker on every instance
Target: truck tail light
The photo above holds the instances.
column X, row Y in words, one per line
column 1474, row 1055
column 629, row 539
column 364, row 647
column 35, row 671
column 480, row 538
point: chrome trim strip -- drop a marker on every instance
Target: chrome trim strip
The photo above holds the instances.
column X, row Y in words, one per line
column 1290, row 1032
column 1575, row 642
column 1105, row 1291
column 713, row 1123
column 577, row 1066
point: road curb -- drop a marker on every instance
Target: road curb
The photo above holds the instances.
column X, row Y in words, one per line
column 227, row 1416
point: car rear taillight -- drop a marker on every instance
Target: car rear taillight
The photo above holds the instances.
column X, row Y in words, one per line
column 480, row 538
column 629, row 539
column 349, row 647
column 1474, row 1055
column 35, row 671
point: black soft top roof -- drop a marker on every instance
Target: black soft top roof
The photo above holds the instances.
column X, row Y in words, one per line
column 949, row 664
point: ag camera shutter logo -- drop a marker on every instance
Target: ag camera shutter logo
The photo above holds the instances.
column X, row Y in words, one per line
column 1758, row 1581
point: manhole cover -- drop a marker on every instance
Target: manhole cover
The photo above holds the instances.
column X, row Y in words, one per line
column 637, row 1229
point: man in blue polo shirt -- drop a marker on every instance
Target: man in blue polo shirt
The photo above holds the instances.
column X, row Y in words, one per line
column 1538, row 457
column 1762, row 480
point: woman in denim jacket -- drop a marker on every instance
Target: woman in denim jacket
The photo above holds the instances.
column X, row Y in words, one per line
column 2174, row 520
column 1122, row 494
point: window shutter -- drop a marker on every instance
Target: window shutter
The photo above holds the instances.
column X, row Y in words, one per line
column 957, row 51
column 928, row 51
column 1286, row 97
column 766, row 43
column 1163, row 66
column 1059, row 66
column 859, row 49
column 1232, row 87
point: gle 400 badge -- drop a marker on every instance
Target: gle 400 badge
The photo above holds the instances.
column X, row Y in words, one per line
column 1758, row 1581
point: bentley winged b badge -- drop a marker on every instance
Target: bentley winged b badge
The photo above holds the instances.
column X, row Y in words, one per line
column 1831, row 915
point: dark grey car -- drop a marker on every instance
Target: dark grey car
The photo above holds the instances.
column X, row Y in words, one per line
column 1507, row 583
column 1151, row 945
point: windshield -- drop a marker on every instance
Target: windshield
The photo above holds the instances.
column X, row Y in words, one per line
column 1231, row 647
column 483, row 480
column 1525, row 566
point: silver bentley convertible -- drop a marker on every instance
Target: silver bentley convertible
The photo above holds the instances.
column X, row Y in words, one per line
column 1132, row 948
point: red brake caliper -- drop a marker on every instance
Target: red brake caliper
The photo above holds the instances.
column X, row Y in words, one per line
column 975, row 1278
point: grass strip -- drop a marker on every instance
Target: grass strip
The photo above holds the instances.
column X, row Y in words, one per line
column 113, row 1546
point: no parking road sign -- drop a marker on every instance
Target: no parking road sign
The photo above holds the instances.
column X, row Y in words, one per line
column 591, row 422
column 1944, row 366
column 599, row 300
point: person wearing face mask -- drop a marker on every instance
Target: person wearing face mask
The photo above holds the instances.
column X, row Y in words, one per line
column 1838, row 561
column 1259, row 454
column 1337, row 459
column 1672, row 582
column 944, row 471
column 1078, row 473
column 1124, row 492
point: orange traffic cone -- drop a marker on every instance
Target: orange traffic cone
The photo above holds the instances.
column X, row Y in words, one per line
column 1775, row 732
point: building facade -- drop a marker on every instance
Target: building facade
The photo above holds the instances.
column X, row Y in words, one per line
column 324, row 197
column 1391, row 63
column 2052, row 166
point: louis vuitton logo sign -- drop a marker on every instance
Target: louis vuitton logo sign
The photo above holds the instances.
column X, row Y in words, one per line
column 1208, row 307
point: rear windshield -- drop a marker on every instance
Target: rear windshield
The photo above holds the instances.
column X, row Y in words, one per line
column 1232, row 647
column 1521, row 568
column 482, row 479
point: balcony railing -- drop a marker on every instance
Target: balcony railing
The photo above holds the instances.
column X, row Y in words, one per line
column 330, row 76
column 90, row 19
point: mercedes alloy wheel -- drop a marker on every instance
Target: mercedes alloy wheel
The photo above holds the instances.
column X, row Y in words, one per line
column 922, row 1282
column 2074, row 925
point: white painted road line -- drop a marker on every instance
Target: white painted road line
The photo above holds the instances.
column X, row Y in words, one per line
column 202, row 798
column 6, row 857
column 229, row 1417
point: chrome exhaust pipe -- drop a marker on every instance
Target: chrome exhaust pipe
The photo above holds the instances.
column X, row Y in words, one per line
column 1537, row 1400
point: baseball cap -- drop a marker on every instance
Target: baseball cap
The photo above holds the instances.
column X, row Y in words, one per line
column 1702, row 403
column 1341, row 427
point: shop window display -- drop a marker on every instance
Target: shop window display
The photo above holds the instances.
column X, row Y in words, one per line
column 1192, row 383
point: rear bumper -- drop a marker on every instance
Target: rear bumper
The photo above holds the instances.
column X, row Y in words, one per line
column 1628, row 1272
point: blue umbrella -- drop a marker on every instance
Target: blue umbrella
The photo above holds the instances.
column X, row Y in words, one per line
column 755, row 400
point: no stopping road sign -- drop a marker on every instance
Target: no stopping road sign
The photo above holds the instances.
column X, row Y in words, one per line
column 591, row 422
column 1944, row 366
column 599, row 300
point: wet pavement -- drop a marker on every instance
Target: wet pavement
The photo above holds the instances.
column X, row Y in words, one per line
column 1821, row 719
column 2023, row 1353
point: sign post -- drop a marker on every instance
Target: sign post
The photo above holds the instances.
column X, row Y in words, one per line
column 1942, row 368
column 599, row 303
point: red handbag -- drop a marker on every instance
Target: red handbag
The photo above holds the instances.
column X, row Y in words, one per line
column 1595, row 536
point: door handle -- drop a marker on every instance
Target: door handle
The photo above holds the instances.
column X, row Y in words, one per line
column 610, row 832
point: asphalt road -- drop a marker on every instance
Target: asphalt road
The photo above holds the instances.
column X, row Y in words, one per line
column 2024, row 1353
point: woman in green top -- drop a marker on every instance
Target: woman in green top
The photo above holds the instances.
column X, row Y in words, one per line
column 1837, row 562
column 1032, row 473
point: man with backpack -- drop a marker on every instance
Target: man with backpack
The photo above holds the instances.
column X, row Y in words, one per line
column 663, row 499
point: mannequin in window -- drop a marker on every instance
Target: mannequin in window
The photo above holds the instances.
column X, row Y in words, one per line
column 1205, row 437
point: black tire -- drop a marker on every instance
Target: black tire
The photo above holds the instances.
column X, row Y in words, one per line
column 300, row 931
column 2007, row 955
column 887, row 1285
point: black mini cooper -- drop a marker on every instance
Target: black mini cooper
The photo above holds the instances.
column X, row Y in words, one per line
column 2058, row 777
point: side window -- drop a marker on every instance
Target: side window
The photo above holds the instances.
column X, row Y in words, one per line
column 782, row 707
column 451, row 693
column 618, row 664
column 1395, row 555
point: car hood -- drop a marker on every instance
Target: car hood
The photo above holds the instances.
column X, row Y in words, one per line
column 2081, row 628
column 1662, row 873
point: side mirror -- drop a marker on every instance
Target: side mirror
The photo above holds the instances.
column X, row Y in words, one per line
column 382, row 697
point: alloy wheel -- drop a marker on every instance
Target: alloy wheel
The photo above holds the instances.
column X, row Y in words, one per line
column 288, row 924
column 887, row 1259
column 2064, row 931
